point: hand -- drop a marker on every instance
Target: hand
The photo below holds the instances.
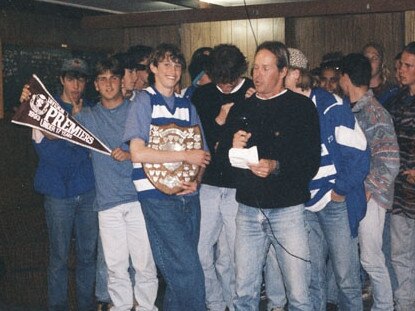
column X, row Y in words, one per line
column 410, row 176
column 337, row 197
column 264, row 167
column 197, row 157
column 49, row 136
column 223, row 113
column 188, row 187
column 251, row 91
column 120, row 155
column 77, row 107
column 240, row 139
column 25, row 93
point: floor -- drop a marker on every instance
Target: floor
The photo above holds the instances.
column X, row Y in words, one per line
column 159, row 303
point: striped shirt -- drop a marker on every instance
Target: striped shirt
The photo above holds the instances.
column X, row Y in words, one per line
column 151, row 108
column 403, row 113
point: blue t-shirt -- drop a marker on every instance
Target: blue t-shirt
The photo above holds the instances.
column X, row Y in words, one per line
column 112, row 178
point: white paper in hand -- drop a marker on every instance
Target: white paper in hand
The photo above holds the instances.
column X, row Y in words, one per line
column 242, row 157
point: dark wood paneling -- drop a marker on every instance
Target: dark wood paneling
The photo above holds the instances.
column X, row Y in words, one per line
column 152, row 36
column 1, row 83
column 347, row 33
column 293, row 9
column 239, row 33
column 409, row 26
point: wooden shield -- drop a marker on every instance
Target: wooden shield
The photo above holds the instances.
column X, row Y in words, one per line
column 167, row 177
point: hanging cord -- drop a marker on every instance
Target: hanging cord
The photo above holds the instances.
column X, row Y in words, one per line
column 278, row 242
column 250, row 23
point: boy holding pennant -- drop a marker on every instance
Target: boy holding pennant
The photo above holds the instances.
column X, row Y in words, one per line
column 41, row 111
column 65, row 177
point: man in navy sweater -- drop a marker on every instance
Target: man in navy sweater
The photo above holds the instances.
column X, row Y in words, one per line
column 271, row 194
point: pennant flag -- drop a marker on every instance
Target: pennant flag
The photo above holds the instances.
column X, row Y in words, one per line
column 43, row 112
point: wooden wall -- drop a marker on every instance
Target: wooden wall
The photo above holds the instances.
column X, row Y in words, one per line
column 347, row 33
column 409, row 26
column 152, row 36
column 313, row 35
column 1, row 83
column 195, row 35
column 237, row 32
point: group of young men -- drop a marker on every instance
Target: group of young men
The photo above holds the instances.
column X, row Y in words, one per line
column 291, row 176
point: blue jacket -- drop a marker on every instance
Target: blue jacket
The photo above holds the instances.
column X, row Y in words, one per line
column 345, row 160
column 64, row 169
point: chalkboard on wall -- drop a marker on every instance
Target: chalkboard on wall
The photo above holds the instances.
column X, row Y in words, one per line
column 19, row 63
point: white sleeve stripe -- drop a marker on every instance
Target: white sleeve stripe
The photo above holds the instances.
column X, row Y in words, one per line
column 354, row 138
column 324, row 171
column 324, row 150
column 331, row 106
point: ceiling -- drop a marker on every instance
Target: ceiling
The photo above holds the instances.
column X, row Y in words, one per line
column 136, row 6
column 81, row 8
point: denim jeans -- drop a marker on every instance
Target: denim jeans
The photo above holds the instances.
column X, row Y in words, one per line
column 274, row 284
column 403, row 261
column 173, row 227
column 218, row 213
column 330, row 236
column 285, row 229
column 124, row 236
column 223, row 266
column 66, row 218
column 372, row 257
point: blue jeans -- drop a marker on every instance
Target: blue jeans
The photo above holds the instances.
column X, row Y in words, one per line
column 372, row 257
column 332, row 289
column 274, row 284
column 403, row 261
column 285, row 229
column 330, row 235
column 65, row 217
column 173, row 227
column 218, row 213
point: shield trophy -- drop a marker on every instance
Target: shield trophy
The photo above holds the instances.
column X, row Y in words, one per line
column 167, row 177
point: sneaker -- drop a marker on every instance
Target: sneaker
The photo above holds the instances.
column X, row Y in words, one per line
column 367, row 293
column 263, row 294
column 331, row 307
column 104, row 306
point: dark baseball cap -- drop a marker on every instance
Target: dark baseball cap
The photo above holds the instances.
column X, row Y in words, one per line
column 75, row 66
